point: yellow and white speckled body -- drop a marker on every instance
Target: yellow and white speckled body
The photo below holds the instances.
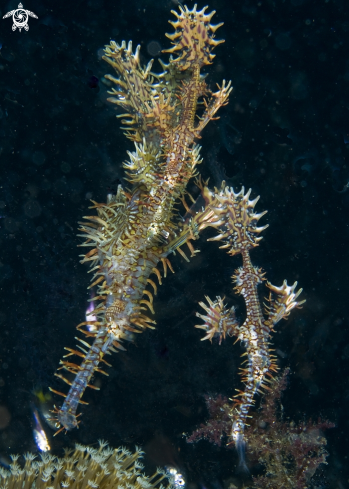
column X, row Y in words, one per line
column 233, row 215
column 138, row 228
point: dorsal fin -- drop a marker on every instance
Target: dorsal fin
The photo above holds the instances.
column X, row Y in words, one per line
column 193, row 38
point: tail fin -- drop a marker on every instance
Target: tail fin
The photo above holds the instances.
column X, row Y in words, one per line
column 241, row 449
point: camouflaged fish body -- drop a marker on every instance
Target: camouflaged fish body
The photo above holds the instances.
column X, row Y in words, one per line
column 139, row 227
column 232, row 215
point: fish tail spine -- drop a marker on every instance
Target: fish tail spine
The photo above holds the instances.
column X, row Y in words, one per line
column 66, row 415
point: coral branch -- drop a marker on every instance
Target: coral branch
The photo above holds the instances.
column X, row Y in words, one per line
column 290, row 453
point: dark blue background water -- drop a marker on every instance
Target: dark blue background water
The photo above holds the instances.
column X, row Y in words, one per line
column 285, row 133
